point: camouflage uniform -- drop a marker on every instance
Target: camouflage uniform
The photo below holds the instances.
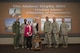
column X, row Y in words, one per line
column 55, row 30
column 47, row 30
column 22, row 39
column 64, row 33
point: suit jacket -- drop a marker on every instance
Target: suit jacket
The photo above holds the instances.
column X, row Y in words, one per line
column 28, row 32
column 37, row 27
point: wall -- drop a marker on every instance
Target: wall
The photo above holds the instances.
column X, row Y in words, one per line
column 71, row 7
column 72, row 40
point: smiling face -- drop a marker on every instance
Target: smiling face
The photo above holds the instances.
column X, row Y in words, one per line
column 62, row 20
column 54, row 19
column 34, row 20
column 17, row 19
column 29, row 22
column 47, row 18
column 25, row 20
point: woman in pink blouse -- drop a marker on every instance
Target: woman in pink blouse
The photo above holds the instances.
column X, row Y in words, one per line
column 28, row 35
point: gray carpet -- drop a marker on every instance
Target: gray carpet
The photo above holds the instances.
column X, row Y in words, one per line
column 72, row 48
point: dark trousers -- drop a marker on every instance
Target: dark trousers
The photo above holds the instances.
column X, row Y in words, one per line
column 29, row 42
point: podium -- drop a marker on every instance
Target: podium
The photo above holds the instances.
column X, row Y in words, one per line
column 36, row 43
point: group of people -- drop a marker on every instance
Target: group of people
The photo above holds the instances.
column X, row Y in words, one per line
column 26, row 32
column 23, row 34
column 53, row 33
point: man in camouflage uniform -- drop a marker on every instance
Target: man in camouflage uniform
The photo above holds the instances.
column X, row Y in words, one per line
column 16, row 33
column 55, row 30
column 64, row 33
column 47, row 30
column 23, row 39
